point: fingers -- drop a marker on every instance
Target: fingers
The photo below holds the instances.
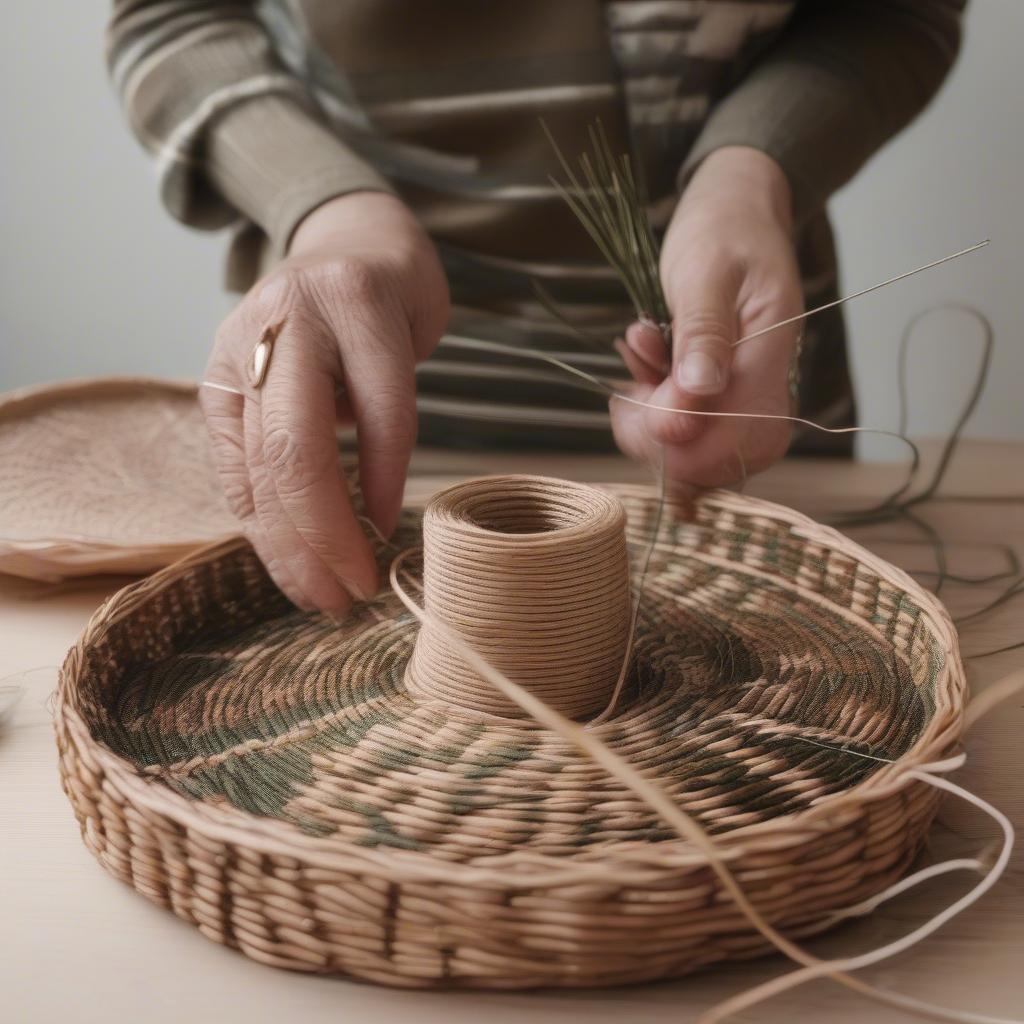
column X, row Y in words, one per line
column 276, row 453
column 284, row 552
column 223, row 413
column 721, row 449
column 649, row 344
column 720, row 270
column 667, row 422
column 629, row 424
column 299, row 457
column 704, row 300
column 356, row 307
column 640, row 371
column 729, row 451
column 645, row 418
column 381, row 388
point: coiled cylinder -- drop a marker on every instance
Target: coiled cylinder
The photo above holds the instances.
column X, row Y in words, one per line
column 534, row 574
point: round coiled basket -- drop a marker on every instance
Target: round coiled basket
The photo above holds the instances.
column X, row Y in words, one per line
column 105, row 475
column 269, row 776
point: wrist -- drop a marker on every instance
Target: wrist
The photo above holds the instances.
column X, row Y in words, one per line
column 352, row 213
column 746, row 178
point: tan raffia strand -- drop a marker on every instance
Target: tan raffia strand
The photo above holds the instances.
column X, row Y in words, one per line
column 271, row 777
column 688, row 829
column 534, row 573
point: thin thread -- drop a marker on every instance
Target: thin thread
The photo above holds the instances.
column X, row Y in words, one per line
column 602, row 387
column 907, row 883
column 688, row 828
column 813, row 968
column 863, row 291
column 605, row 388
column 777, row 985
column 221, row 387
column 11, row 693
column 1015, row 588
column 895, row 506
column 640, row 584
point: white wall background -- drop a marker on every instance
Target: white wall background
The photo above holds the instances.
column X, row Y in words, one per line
column 96, row 279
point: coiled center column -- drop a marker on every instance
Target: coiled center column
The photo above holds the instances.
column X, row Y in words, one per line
column 533, row 573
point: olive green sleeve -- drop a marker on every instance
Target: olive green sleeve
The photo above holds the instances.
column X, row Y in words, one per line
column 843, row 78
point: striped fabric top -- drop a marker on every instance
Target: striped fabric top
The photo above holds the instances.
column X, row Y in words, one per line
column 259, row 112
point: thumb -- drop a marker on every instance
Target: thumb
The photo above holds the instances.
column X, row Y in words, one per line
column 703, row 331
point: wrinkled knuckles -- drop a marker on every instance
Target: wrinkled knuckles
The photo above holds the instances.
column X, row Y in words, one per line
column 293, row 459
column 703, row 332
column 222, row 428
column 273, row 297
column 353, row 280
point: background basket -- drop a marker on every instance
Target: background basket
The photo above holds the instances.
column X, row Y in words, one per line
column 105, row 475
column 217, row 749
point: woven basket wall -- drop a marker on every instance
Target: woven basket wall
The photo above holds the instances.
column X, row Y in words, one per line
column 325, row 822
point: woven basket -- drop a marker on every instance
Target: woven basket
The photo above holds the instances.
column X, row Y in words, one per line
column 265, row 774
column 105, row 475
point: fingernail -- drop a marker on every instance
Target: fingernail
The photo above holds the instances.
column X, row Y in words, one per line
column 698, row 372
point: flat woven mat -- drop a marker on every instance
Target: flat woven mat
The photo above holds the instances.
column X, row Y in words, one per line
column 106, row 475
column 265, row 773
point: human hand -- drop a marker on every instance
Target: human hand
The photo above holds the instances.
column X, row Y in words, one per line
column 360, row 299
column 728, row 269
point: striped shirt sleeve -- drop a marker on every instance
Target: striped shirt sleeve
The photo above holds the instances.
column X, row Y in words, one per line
column 232, row 131
column 841, row 80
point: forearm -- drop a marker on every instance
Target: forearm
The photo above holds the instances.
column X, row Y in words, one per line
column 232, row 130
column 843, row 79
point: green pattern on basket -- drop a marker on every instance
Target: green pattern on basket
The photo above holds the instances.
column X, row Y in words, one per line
column 752, row 641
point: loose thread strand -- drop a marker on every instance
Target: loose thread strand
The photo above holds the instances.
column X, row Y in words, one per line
column 688, row 828
column 863, row 291
column 827, row 967
column 639, row 587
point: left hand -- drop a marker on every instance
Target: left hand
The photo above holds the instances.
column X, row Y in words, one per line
column 728, row 268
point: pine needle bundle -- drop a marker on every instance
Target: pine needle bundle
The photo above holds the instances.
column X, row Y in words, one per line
column 605, row 198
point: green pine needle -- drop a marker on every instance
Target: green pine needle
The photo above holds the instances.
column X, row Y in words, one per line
column 604, row 197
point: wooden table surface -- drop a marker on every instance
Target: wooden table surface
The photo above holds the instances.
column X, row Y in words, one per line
column 76, row 945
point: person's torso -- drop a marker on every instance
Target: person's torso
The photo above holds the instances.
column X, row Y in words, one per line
column 446, row 99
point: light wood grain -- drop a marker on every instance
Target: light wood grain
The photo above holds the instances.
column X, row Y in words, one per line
column 75, row 945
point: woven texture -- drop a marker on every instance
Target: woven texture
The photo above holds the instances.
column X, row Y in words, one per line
column 108, row 475
column 267, row 775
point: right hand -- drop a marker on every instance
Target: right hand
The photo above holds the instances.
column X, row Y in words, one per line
column 361, row 299
column 728, row 268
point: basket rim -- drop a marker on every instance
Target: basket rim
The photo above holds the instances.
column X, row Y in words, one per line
column 55, row 558
column 521, row 868
column 24, row 399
